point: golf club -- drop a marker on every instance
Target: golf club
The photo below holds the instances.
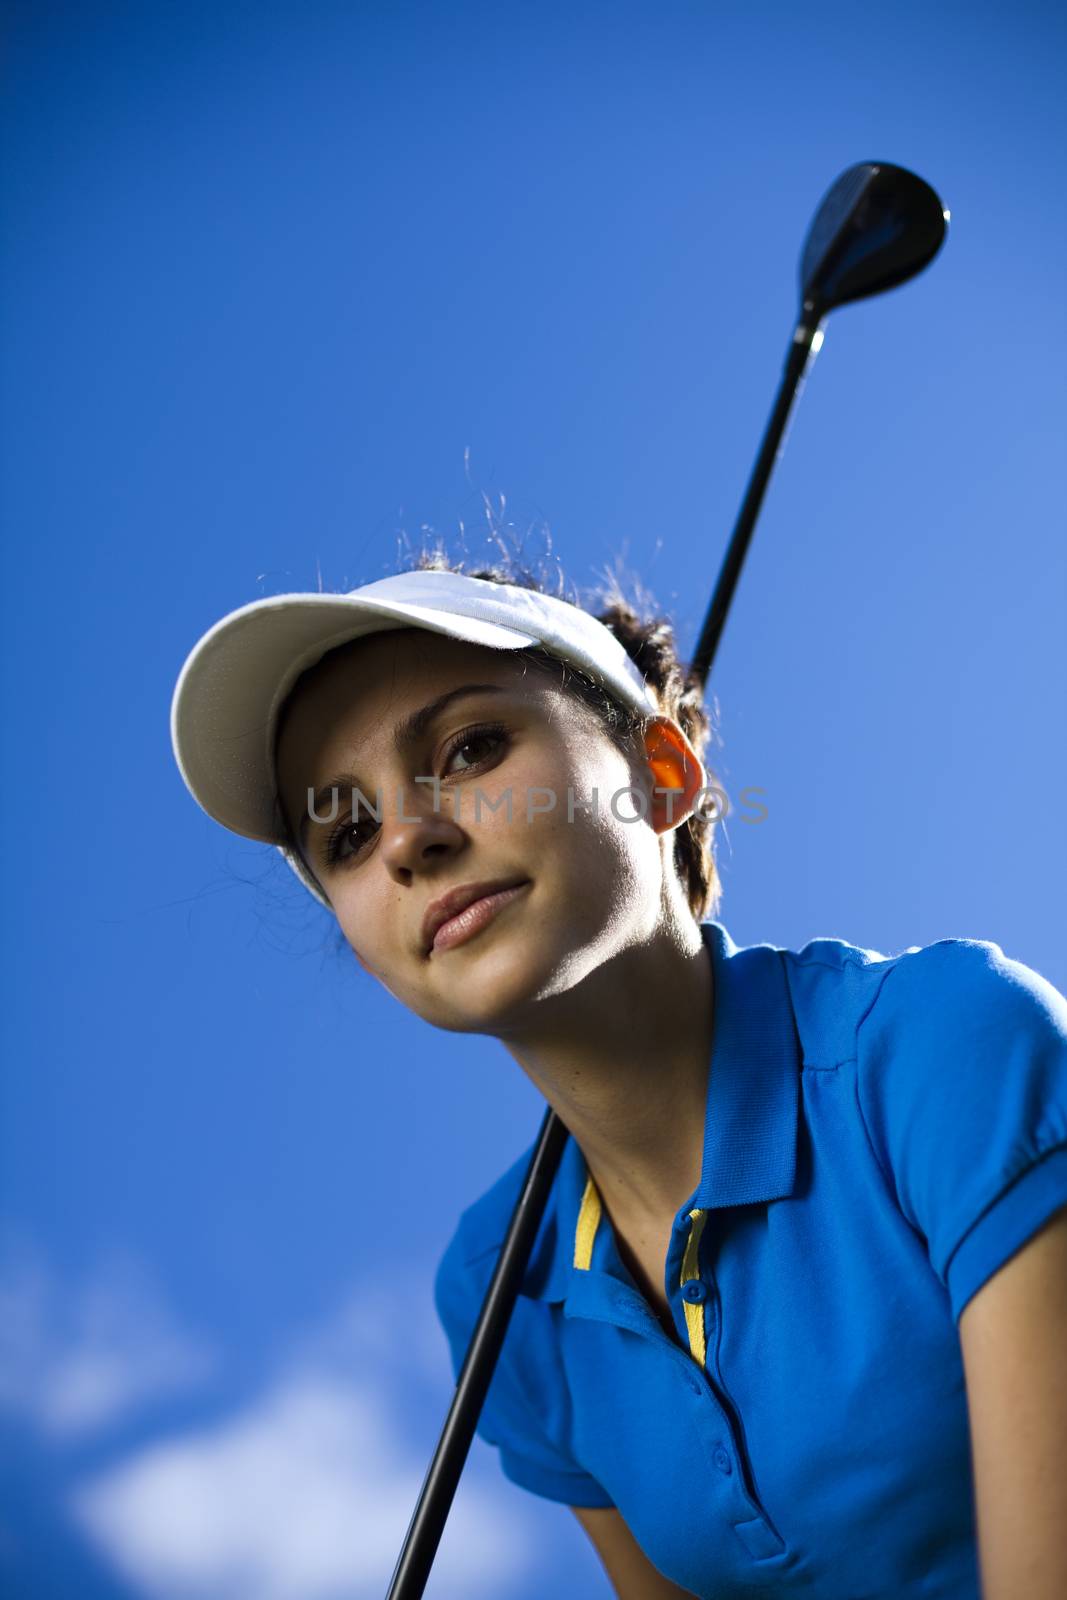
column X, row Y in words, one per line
column 876, row 227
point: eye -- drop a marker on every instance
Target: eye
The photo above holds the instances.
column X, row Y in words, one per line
column 485, row 739
column 350, row 837
column 348, row 833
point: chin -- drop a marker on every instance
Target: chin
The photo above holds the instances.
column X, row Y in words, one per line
column 480, row 990
column 499, row 991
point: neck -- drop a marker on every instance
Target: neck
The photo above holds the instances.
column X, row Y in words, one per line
column 624, row 1061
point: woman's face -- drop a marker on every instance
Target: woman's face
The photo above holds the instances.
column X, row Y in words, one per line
column 576, row 886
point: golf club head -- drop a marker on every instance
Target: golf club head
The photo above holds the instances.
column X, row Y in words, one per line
column 877, row 226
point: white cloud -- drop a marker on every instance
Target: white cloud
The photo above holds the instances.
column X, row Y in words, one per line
column 304, row 1496
column 74, row 1360
column 304, row 1493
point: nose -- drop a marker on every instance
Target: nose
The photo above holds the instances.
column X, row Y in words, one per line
column 417, row 830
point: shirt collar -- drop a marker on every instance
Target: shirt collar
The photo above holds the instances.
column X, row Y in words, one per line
column 753, row 1104
column 751, row 1116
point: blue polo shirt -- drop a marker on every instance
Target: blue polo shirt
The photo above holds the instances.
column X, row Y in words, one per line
column 881, row 1135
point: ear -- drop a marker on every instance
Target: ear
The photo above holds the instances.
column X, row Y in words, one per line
column 675, row 768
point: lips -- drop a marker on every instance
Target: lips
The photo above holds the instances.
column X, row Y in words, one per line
column 451, row 904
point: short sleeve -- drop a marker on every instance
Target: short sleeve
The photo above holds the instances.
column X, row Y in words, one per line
column 526, row 1408
column 962, row 1084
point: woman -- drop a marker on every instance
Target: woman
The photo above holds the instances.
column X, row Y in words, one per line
column 740, row 1352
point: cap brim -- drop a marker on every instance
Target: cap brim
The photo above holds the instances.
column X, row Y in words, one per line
column 235, row 680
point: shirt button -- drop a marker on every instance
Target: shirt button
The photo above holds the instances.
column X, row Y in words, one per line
column 695, row 1292
column 723, row 1462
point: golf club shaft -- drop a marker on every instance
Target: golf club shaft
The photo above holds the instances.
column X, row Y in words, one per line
column 802, row 347
column 439, row 1488
column 435, row 1499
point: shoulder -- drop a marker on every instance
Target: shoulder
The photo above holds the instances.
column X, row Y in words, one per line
column 484, row 1222
column 970, row 981
column 961, row 1016
column 526, row 1412
column 961, row 1089
column 464, row 1270
column 850, row 1001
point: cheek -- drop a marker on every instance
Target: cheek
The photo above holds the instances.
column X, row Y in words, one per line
column 605, row 848
column 361, row 916
column 609, row 838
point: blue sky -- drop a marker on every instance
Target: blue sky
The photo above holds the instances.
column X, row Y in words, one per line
column 282, row 285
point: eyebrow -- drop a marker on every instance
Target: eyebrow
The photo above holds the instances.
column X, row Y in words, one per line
column 407, row 733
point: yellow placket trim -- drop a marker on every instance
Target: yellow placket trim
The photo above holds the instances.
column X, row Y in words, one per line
column 585, row 1235
column 694, row 1315
column 588, row 1222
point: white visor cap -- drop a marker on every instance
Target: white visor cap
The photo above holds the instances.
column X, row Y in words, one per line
column 237, row 677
